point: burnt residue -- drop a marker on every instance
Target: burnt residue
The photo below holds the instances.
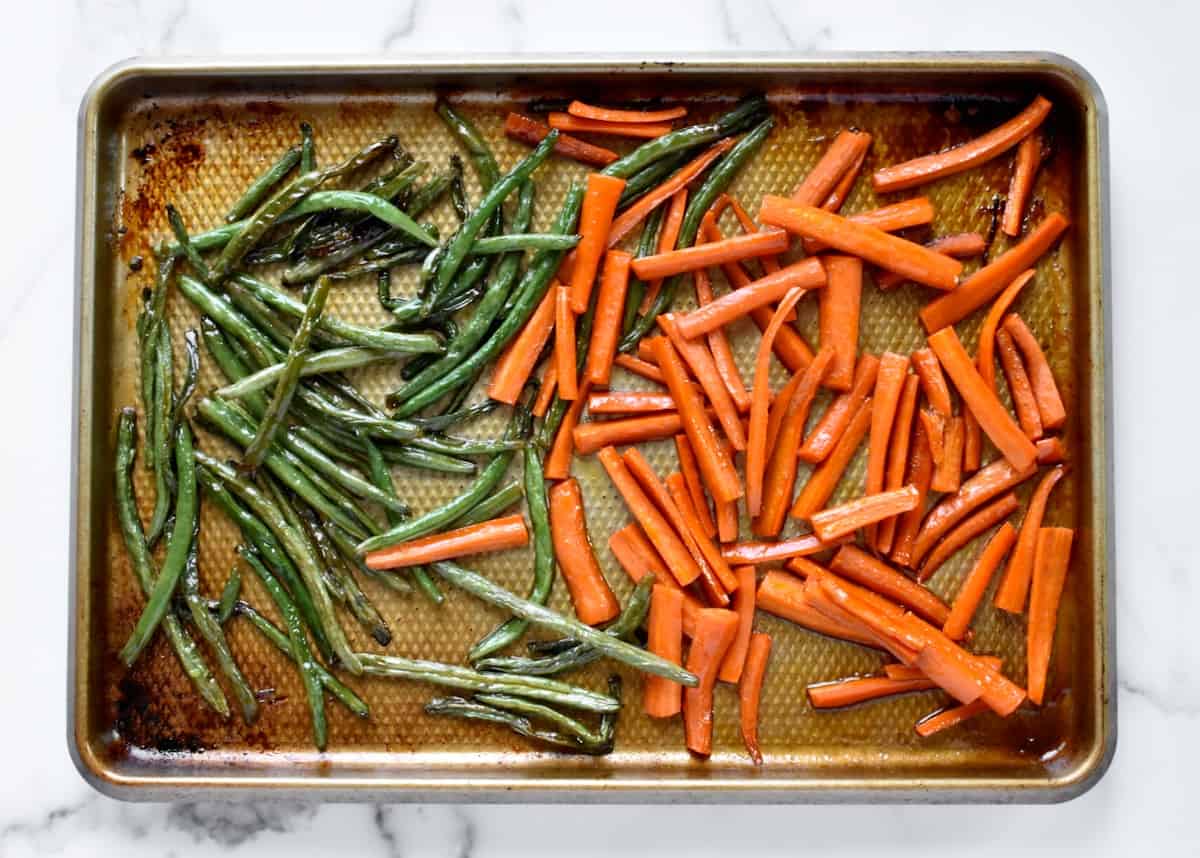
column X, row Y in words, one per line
column 168, row 162
column 138, row 722
column 144, row 154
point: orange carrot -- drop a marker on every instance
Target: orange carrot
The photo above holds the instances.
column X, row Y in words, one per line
column 558, row 463
column 972, row 455
column 859, row 689
column 963, row 245
column 668, row 235
column 838, row 312
column 841, row 191
column 564, row 345
column 935, row 431
column 532, row 132
column 515, row 365
column 837, row 521
column 904, row 671
column 889, row 384
column 971, row 527
column 756, row 453
column 566, row 268
column 944, row 719
column 638, row 558
column 770, row 264
column 1049, row 403
column 999, row 140
column 947, row 475
column 727, row 520
column 862, row 568
column 662, row 698
column 790, row 348
column 718, row 345
column 960, row 685
column 779, row 406
column 612, row 114
column 734, row 272
column 547, row 389
column 821, row 603
column 897, row 459
column 590, row 594
column 595, row 219
column 700, row 361
column 640, row 367
column 1014, row 586
column 715, row 466
column 989, row 281
column 655, row 197
column 629, row 402
column 825, row 477
column 567, row 122
column 691, row 477
column 991, row 322
column 933, row 383
column 915, row 212
column 780, row 477
column 970, row 594
column 838, row 159
column 784, row 596
column 837, row 416
column 805, row 274
column 610, row 308
column 590, row 437
column 750, row 553
column 874, row 245
column 1052, row 560
column 692, row 529
column 1020, row 188
column 919, row 474
column 743, row 605
column 750, row 692
column 1019, row 387
column 713, row 253
column 715, row 630
column 1050, row 451
column 497, row 534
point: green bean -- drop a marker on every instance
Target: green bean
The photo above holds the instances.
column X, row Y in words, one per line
column 591, row 740
column 230, row 594
column 277, row 328
column 160, row 419
column 408, row 255
column 330, row 360
column 357, row 201
column 453, row 446
column 261, row 186
column 461, row 708
column 191, row 377
column 355, row 599
column 190, row 658
column 413, row 457
column 286, row 506
column 523, row 241
column 619, row 650
column 181, row 236
column 652, row 176
column 221, row 310
column 647, row 244
column 490, row 507
column 344, row 543
column 454, row 676
column 212, row 239
column 458, row 191
column 180, row 540
column 297, row 645
column 375, row 427
column 474, row 142
column 439, row 422
column 308, row 155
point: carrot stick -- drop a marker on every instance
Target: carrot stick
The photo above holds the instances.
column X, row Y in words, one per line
column 743, row 605
column 816, row 597
column 668, row 235
column 935, row 431
column 841, row 191
column 629, row 402
column 805, row 274
column 718, row 345
column 993, row 419
column 751, row 553
column 862, row 568
column 1020, row 189
column 779, row 406
column 497, row 534
column 947, row 475
column 905, row 671
column 1050, row 451
column 837, row 521
column 734, row 272
column 611, row 114
column 999, row 140
column 784, row 596
column 825, row 477
column 963, row 245
column 595, row 219
column 692, row 529
column 970, row 594
column 715, row 630
column 915, row 212
column 532, row 132
column 889, row 384
column 756, row 452
column 944, row 719
column 838, row 159
column 972, row 454
column 859, row 689
column 691, row 478
column 558, row 463
column 662, row 698
column 874, row 245
column 610, row 309
column 1053, row 558
column 547, row 389
column 933, row 383
column 564, row 345
column 750, row 692
column 986, row 357
column 960, row 685
column 838, row 307
column 1014, row 585
column 1019, row 387
column 919, row 474
column 1050, row 404
column 640, row 367
column 698, row 358
column 897, row 458
column 652, row 199
column 590, row 594
column 970, row 527
column 713, row 253
column 790, row 348
column 590, row 437
column 567, row 122
column 515, row 365
column 566, row 268
column 770, row 264
column 780, row 477
column 638, row 558
column 715, row 466
column 989, row 281
column 825, row 435
column 727, row 520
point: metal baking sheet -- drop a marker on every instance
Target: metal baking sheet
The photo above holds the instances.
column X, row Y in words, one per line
column 195, row 133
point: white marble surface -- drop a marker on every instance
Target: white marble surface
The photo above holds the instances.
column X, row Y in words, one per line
column 1141, row 53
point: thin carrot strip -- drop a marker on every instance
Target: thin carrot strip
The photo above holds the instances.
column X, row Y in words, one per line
column 860, row 689
column 590, row 594
column 897, row 458
column 1014, row 586
column 564, row 345
column 999, row 140
column 668, row 235
column 1020, row 189
column 737, row 276
column 546, row 391
column 805, row 274
column 1024, row 402
column 947, row 475
column 640, row 367
column 919, row 474
column 662, row 698
column 612, row 114
column 699, row 359
column 691, row 477
column 825, row 435
column 791, row 349
column 841, row 191
column 892, row 218
column 821, row 602
column 639, row 558
column 829, row 524
column 866, row 570
column 935, row 432
column 838, row 308
column 532, row 132
column 779, row 407
column 975, row 525
column 743, row 605
column 718, row 345
column 770, row 264
column 933, row 383
column 1053, row 558
column 826, row 476
column 629, row 402
column 986, row 357
column 963, row 245
column 989, row 281
column 784, row 596
column 944, row 719
column 610, row 309
column 972, row 456
column 558, row 463
column 727, row 520
column 515, row 365
column 567, row 122
column 889, row 384
column 497, row 534
column 1045, row 390
column 590, row 437
column 856, row 239
column 1050, row 451
column 652, row 199
column 970, row 594
column 750, row 692
column 751, row 553
column 715, row 630
column 712, row 253
column 693, row 530
column 837, row 160
column 595, row 219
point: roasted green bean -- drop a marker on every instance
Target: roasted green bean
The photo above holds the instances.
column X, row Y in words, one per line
column 262, row 186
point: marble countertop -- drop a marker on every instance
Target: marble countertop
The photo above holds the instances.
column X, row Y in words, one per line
column 1134, row 51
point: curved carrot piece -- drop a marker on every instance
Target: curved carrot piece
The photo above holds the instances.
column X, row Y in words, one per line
column 590, row 594
column 590, row 437
column 751, row 553
column 558, row 463
column 963, row 245
column 668, row 235
column 1050, row 451
column 1014, row 586
column 652, row 199
column 897, row 459
column 999, row 140
column 640, row 367
column 1020, row 189
column 750, row 692
column 841, row 191
column 610, row 310
column 779, row 406
column 864, row 569
column 829, row 524
column 987, row 282
column 860, row 689
column 532, row 132
column 784, row 596
column 564, row 345
column 970, row 594
column 515, row 365
column 826, row 476
column 991, row 322
column 837, row 416
column 947, row 472
column 727, row 579
column 639, row 558
column 497, row 534
column 889, row 384
column 567, row 122
column 1049, row 403
column 968, row 529
column 838, row 159
column 691, row 478
column 743, row 605
column 805, row 274
column 933, row 383
column 546, row 391
column 612, row 114
column 715, row 629
column 662, row 698
column 838, row 308
column 718, row 345
column 919, row 474
column 1053, row 558
column 700, row 361
column 944, row 719
column 712, row 253
column 595, row 219
column 891, row 218
column 1019, row 387
column 629, row 402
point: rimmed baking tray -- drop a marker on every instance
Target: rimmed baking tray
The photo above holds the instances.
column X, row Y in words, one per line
column 195, row 132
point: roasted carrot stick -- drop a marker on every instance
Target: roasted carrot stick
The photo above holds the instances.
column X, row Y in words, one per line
column 897, row 459
column 989, row 281
column 638, row 558
column 915, row 212
column 935, row 431
column 564, row 345
column 1019, row 387
column 963, row 245
column 532, row 132
column 695, row 488
column 727, row 520
column 919, row 474
column 629, row 402
column 864, row 569
column 999, row 140
column 874, row 245
column 972, row 454
column 590, row 594
column 750, row 692
column 713, row 253
column 1020, row 189
column 1050, row 451
column 662, row 698
column 778, row 407
column 558, row 463
column 825, row 477
column 567, row 122
column 904, row 671
column 838, row 159
column 947, row 473
column 640, row 367
column 595, row 220
column 784, row 596
column 841, row 191
column 1049, row 403
column 860, row 689
column 969, row 528
column 1053, row 558
column 590, row 437
column 612, row 114
column 889, row 384
column 610, row 308
column 668, row 235
column 829, row 524
column 694, row 530
column 715, row 630
column 514, row 366
column 991, row 323
column 497, row 534
column 837, row 416
column 944, row 719
column 743, row 605
column 546, row 391
column 770, row 264
column 1014, row 585
column 566, row 268
column 933, row 383
column 700, row 361
column 805, row 274
column 750, row 553
column 970, row 594
column 820, row 602
column 838, row 310
column 652, row 199
column 718, row 345
column 791, row 349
